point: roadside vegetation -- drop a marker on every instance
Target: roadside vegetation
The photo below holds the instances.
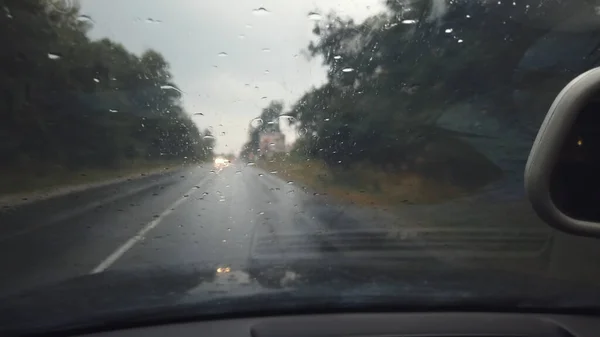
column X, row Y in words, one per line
column 76, row 110
column 427, row 101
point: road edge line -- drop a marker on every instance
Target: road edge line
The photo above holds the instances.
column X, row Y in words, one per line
column 124, row 248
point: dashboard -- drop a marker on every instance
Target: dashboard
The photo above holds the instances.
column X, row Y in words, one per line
column 380, row 325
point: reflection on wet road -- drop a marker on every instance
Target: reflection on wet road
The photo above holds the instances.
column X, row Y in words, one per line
column 237, row 214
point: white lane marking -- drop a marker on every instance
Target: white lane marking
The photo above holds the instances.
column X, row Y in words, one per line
column 117, row 254
column 78, row 211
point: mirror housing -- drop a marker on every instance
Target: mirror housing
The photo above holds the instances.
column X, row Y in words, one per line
column 562, row 175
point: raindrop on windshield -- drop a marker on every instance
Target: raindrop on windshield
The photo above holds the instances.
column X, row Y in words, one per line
column 348, row 70
column 260, row 11
column 289, row 118
column 409, row 22
column 151, row 20
column 250, row 164
column 222, row 54
column 53, row 56
column 264, row 97
column 170, row 87
column 467, row 16
column 113, row 110
column 242, row 36
column 256, row 122
column 229, row 229
column 84, row 18
column 290, row 183
column 266, row 50
column 208, row 137
column 266, row 71
column 460, row 41
column 198, row 114
column 337, row 57
column 96, row 80
column 448, row 31
column 261, row 175
column 238, row 172
column 314, row 16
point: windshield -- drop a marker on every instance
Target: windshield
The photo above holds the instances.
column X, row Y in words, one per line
column 313, row 147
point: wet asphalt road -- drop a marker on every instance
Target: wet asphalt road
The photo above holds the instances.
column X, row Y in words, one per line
column 192, row 215
column 236, row 215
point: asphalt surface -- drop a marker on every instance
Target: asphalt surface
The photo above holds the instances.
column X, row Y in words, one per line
column 238, row 214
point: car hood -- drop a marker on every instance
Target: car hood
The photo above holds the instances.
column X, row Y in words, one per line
column 152, row 295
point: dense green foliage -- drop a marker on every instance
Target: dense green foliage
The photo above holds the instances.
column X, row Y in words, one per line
column 429, row 87
column 72, row 103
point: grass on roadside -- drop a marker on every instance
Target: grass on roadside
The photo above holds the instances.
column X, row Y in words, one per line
column 362, row 184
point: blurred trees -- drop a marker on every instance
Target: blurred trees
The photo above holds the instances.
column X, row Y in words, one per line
column 396, row 83
column 69, row 102
column 268, row 121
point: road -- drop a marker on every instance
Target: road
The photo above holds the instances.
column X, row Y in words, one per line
column 237, row 214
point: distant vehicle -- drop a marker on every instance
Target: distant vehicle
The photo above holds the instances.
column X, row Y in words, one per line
column 221, row 162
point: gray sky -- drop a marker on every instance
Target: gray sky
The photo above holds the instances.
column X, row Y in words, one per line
column 263, row 51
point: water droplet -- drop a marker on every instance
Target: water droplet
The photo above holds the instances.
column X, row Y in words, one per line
column 96, row 80
column 348, row 70
column 467, row 16
column 409, row 22
column 250, row 164
column 448, row 31
column 151, row 20
column 222, row 54
column 314, row 16
column 198, row 114
column 326, row 119
column 260, row 175
column 212, row 171
column 208, row 137
column 229, row 229
column 249, row 26
column 460, row 41
column 170, row 87
column 260, row 11
column 238, row 172
column 290, row 182
column 53, row 56
column 113, row 110
column 273, row 172
column 224, row 241
column 261, row 213
column 337, row 57
column 256, row 122
column 266, row 71
column 241, row 36
column 264, row 97
column 266, row 50
column 84, row 18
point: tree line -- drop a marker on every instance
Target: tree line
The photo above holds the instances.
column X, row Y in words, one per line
column 70, row 102
column 452, row 90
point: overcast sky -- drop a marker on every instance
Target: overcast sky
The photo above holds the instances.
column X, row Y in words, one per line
column 264, row 51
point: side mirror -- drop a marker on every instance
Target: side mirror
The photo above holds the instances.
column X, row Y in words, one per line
column 562, row 175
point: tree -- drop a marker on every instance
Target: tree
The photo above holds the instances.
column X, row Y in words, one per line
column 394, row 80
column 69, row 102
